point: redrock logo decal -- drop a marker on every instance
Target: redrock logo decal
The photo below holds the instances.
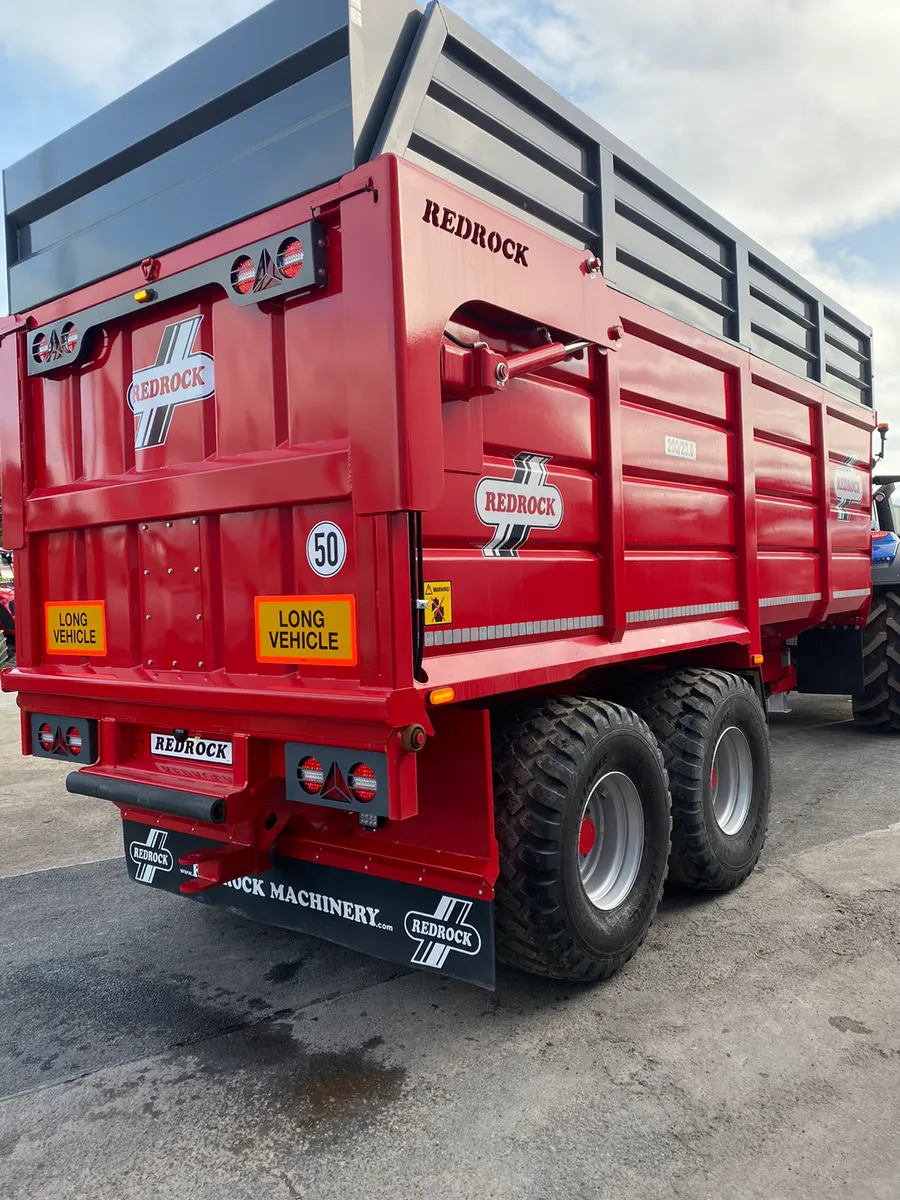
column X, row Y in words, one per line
column 518, row 505
column 440, row 932
column 471, row 231
column 151, row 856
column 180, row 375
column 848, row 486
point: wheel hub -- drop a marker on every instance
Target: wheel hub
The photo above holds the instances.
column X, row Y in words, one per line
column 731, row 780
column 587, row 838
column 610, row 840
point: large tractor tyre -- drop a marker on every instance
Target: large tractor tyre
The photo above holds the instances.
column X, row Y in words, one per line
column 4, row 651
column 878, row 707
column 712, row 730
column 583, row 820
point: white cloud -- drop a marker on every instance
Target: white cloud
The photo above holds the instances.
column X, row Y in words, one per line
column 110, row 46
column 780, row 114
column 783, row 112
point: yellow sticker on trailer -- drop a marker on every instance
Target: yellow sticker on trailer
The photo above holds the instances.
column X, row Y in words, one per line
column 439, row 603
column 78, row 629
column 306, row 629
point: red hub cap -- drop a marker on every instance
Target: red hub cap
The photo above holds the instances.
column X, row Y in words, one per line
column 587, row 837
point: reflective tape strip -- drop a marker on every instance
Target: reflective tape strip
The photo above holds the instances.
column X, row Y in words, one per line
column 771, row 601
column 495, row 633
column 847, row 595
column 687, row 610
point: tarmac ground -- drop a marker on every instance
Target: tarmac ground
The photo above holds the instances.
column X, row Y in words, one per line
column 159, row 1049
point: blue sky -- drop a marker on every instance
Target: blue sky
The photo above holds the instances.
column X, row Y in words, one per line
column 781, row 114
column 871, row 253
column 31, row 115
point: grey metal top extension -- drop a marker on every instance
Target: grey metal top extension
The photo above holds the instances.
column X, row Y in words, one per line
column 305, row 90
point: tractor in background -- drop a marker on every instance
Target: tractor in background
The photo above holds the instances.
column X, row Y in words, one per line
column 877, row 707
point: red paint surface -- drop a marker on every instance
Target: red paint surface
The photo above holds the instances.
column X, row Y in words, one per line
column 330, row 407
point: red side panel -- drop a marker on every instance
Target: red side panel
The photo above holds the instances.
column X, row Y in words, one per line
column 660, row 492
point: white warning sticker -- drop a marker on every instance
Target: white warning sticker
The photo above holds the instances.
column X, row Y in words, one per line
column 677, row 447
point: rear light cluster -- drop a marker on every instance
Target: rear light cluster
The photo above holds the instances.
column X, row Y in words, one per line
column 311, row 776
column 287, row 263
column 248, row 275
column 58, row 345
column 363, row 785
column 290, row 258
column 360, row 785
column 354, row 780
column 55, row 741
column 261, row 268
column 243, row 275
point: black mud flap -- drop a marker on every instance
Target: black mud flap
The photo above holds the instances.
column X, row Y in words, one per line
column 401, row 922
column 829, row 661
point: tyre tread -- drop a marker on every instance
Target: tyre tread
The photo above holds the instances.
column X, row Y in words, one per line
column 878, row 706
column 536, row 767
column 679, row 709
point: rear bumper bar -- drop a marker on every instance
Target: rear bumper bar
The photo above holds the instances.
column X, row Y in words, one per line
column 193, row 805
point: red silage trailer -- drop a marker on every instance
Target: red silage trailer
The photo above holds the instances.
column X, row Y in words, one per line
column 404, row 559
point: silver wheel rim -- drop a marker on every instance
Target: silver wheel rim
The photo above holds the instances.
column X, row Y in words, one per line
column 610, row 840
column 731, row 780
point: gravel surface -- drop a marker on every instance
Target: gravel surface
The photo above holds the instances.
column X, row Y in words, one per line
column 151, row 1048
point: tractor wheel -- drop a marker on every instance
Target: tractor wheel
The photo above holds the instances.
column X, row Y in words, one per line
column 878, row 707
column 712, row 730
column 582, row 813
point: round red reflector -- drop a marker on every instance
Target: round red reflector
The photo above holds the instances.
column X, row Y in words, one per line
column 40, row 348
column 311, row 775
column 290, row 258
column 45, row 737
column 362, row 783
column 587, row 836
column 73, row 741
column 69, row 339
column 243, row 275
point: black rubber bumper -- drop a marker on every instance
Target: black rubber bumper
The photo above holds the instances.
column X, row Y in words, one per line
column 145, row 795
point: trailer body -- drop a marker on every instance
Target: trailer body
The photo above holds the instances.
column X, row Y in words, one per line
column 307, row 485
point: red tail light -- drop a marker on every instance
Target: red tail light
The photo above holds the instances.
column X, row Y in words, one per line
column 45, row 737
column 362, row 783
column 40, row 348
column 243, row 274
column 311, row 775
column 290, row 258
column 69, row 338
column 73, row 742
